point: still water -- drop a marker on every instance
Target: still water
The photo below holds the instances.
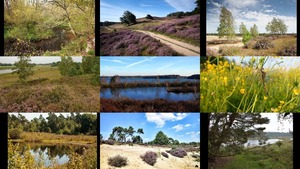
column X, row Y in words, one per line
column 149, row 80
column 251, row 143
column 6, row 71
column 146, row 93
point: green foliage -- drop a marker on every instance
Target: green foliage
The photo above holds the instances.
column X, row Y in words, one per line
column 246, row 37
column 114, row 80
column 161, row 139
column 69, row 68
column 15, row 134
column 226, row 27
column 149, row 16
column 128, row 18
column 23, row 68
column 254, row 31
column 276, row 26
column 243, row 29
column 117, row 161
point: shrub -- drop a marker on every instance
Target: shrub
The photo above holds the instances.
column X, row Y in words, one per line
column 117, row 161
column 165, row 154
column 15, row 134
column 110, row 142
column 263, row 44
column 288, row 51
column 177, row 153
column 229, row 51
column 246, row 38
column 149, row 157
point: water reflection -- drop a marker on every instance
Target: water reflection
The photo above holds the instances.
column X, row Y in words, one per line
column 146, row 93
column 252, row 143
column 6, row 71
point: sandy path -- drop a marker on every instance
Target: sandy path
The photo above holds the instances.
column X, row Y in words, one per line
column 218, row 46
column 180, row 47
column 135, row 162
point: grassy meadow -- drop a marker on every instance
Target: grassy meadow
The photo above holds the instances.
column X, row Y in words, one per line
column 47, row 90
column 228, row 87
column 269, row 156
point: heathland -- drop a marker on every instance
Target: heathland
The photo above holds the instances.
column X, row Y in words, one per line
column 150, row 93
column 48, row 90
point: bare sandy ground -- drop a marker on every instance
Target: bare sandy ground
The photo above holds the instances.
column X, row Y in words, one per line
column 218, row 46
column 180, row 47
column 135, row 162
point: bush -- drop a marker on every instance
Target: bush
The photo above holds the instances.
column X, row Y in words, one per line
column 288, row 51
column 117, row 161
column 149, row 157
column 246, row 38
column 263, row 44
column 15, row 134
column 149, row 17
column 177, row 153
column 110, row 142
column 165, row 154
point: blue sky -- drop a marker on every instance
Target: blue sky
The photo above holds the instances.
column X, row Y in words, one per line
column 184, row 127
column 112, row 10
column 284, row 62
column 126, row 66
column 250, row 12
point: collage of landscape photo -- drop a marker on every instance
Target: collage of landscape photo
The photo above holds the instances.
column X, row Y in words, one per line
column 149, row 84
column 52, row 140
column 150, row 28
column 150, row 140
column 251, row 28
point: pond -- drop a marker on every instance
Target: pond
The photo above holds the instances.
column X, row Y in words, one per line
column 59, row 152
column 4, row 71
column 146, row 93
column 255, row 142
column 149, row 80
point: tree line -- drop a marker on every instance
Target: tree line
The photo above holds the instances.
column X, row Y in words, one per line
column 226, row 27
column 74, row 124
column 123, row 134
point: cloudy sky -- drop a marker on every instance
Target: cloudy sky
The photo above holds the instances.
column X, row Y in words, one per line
column 38, row 60
column 250, row 12
column 279, row 62
column 184, row 127
column 284, row 125
column 112, row 10
column 127, row 66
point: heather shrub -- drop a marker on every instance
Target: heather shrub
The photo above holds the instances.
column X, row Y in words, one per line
column 263, row 44
column 149, row 157
column 117, row 161
column 110, row 142
column 165, row 154
column 15, row 134
column 177, row 153
column 290, row 50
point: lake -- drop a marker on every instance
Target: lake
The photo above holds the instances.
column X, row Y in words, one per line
column 255, row 142
column 60, row 152
column 149, row 80
column 146, row 93
column 6, row 71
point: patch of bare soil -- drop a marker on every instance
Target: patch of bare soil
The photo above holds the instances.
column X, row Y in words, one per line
column 135, row 162
column 180, row 47
column 216, row 47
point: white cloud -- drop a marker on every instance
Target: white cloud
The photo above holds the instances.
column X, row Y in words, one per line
column 269, row 11
column 177, row 128
column 182, row 5
column 139, row 62
column 160, row 118
column 145, row 5
column 187, row 125
column 266, row 6
column 241, row 3
column 194, row 135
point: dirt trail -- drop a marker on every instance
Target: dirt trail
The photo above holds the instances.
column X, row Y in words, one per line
column 180, row 47
column 135, row 162
column 218, row 46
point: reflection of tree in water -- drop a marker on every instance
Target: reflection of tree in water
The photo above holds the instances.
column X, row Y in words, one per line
column 116, row 93
column 58, row 150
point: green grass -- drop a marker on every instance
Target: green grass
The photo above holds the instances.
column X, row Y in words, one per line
column 227, row 87
column 268, row 157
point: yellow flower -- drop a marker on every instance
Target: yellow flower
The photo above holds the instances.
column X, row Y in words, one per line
column 296, row 92
column 274, row 110
column 225, row 81
column 265, row 97
column 205, row 79
column 242, row 91
column 281, row 102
